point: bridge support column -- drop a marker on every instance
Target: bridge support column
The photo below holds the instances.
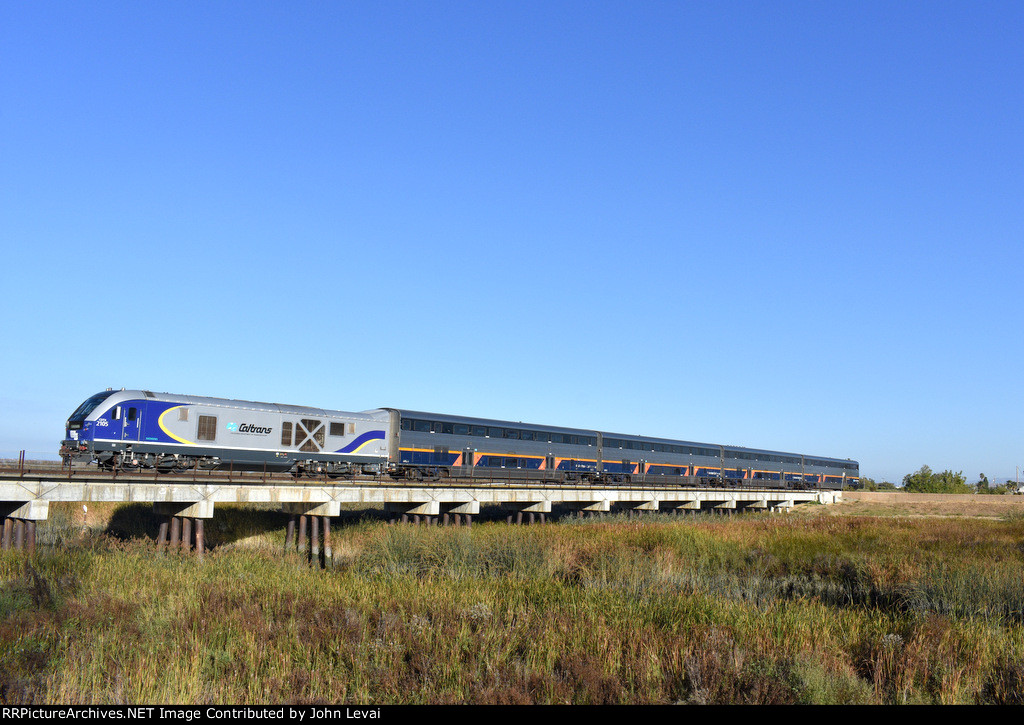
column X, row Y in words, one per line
column 19, row 523
column 186, row 534
column 182, row 521
column 682, row 507
column 590, row 509
column 719, row 506
column 289, row 537
column 303, row 522
column 175, row 533
column 314, row 540
column 328, row 551
column 530, row 512
column 407, row 511
column 639, row 508
column 314, row 518
column 455, row 513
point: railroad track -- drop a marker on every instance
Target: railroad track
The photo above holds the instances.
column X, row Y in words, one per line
column 90, row 474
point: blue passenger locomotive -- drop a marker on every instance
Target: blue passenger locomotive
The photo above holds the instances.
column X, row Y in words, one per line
column 130, row 429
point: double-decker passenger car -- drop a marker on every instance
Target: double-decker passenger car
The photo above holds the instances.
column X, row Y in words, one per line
column 480, row 447
column 138, row 428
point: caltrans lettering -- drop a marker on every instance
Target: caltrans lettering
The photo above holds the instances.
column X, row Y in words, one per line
column 250, row 428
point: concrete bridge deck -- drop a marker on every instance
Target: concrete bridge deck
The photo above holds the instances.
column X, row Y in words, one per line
column 25, row 498
column 34, row 494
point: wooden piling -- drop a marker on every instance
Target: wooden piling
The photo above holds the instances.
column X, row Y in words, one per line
column 289, row 537
column 200, row 539
column 175, row 540
column 314, row 540
column 302, row 534
column 328, row 553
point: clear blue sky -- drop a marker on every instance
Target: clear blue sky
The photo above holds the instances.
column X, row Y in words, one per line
column 788, row 225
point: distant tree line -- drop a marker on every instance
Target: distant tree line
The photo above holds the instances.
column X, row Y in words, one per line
column 925, row 480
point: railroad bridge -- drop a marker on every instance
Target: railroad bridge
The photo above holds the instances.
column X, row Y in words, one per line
column 188, row 500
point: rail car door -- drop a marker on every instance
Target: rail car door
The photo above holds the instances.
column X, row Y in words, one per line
column 132, row 416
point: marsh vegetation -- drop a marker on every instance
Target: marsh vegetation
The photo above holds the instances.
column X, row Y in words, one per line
column 800, row 608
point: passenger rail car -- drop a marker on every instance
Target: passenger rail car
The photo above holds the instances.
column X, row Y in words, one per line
column 432, row 444
column 129, row 429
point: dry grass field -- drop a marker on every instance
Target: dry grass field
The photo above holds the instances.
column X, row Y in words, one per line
column 877, row 600
column 857, row 503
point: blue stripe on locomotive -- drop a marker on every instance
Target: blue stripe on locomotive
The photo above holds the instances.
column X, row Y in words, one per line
column 362, row 441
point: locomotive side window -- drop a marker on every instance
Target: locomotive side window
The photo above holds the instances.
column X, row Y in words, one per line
column 337, row 429
column 311, row 434
column 286, row 433
column 207, row 430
